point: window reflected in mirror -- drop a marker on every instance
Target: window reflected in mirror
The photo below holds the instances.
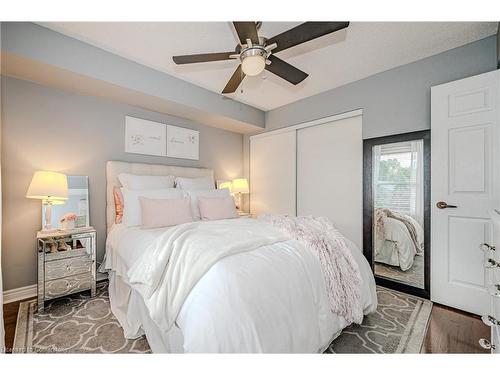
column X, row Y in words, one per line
column 398, row 211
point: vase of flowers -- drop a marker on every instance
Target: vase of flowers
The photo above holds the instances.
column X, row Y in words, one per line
column 68, row 221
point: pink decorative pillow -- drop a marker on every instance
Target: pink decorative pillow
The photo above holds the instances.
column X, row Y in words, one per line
column 217, row 208
column 158, row 213
column 118, row 197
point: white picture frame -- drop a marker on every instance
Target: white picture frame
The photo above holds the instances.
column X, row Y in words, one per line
column 183, row 143
column 145, row 137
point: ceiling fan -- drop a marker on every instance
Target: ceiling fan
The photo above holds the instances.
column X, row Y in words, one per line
column 258, row 53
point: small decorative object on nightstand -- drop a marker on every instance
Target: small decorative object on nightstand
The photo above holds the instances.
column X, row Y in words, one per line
column 239, row 186
column 66, row 263
column 244, row 214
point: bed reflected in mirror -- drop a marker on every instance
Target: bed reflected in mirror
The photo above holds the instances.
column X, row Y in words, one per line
column 396, row 232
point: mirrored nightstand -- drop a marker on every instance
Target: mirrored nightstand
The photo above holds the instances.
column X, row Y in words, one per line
column 66, row 263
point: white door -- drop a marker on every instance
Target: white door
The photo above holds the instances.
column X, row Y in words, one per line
column 273, row 173
column 464, row 173
column 330, row 174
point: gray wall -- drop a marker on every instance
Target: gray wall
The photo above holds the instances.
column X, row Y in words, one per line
column 37, row 43
column 395, row 101
column 45, row 128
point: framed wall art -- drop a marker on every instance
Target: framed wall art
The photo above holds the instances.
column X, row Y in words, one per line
column 145, row 137
column 183, row 143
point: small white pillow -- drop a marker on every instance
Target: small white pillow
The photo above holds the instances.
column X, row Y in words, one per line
column 132, row 213
column 139, row 182
column 198, row 183
column 194, row 194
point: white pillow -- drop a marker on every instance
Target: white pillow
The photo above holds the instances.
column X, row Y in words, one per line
column 140, row 182
column 199, row 183
column 194, row 194
column 132, row 213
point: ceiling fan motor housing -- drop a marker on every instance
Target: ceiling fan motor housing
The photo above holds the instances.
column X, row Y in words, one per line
column 253, row 60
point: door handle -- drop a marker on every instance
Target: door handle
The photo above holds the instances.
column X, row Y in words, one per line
column 443, row 205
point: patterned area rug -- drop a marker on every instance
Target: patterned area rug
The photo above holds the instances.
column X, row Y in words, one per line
column 398, row 326
column 79, row 324
column 73, row 324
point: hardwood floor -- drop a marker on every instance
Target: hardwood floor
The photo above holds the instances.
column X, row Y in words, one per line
column 454, row 331
column 10, row 319
column 448, row 331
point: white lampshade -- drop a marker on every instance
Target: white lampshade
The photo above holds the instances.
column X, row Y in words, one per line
column 240, row 185
column 253, row 65
column 49, row 186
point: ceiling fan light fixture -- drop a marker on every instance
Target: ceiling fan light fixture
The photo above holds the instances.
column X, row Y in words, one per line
column 258, row 53
column 253, row 60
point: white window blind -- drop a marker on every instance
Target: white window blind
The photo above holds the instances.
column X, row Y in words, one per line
column 395, row 186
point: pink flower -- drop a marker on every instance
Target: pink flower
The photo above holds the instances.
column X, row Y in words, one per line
column 70, row 216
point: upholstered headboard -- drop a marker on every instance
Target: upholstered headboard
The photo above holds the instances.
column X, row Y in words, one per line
column 114, row 168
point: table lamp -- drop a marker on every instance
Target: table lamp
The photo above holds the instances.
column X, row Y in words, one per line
column 51, row 188
column 238, row 187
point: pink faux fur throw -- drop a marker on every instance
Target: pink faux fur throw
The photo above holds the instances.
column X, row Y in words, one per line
column 340, row 270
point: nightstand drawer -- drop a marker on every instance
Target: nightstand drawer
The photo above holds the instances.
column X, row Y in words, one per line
column 67, row 267
column 68, row 285
column 66, row 263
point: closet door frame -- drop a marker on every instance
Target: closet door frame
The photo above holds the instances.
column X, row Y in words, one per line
column 295, row 128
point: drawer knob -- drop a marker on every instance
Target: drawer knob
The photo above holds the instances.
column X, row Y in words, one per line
column 492, row 263
column 494, row 290
column 486, row 247
column 485, row 344
column 490, row 321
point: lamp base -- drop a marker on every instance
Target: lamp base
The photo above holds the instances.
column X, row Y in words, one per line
column 238, row 201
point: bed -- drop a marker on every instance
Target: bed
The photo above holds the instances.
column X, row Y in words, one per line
column 394, row 244
column 269, row 298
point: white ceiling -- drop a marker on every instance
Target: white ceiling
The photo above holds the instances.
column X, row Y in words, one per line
column 363, row 49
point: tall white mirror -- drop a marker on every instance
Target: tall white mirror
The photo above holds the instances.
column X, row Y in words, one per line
column 396, row 231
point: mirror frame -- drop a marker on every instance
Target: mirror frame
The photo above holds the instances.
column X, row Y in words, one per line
column 368, row 144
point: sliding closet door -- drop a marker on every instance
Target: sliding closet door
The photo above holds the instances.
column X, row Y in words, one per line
column 330, row 175
column 273, row 173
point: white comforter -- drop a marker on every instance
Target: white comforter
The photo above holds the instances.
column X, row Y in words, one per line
column 398, row 249
column 254, row 291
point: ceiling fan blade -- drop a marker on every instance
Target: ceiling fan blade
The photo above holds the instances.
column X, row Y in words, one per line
column 304, row 33
column 234, row 81
column 246, row 30
column 202, row 57
column 285, row 70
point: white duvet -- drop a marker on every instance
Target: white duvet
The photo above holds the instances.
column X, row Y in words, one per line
column 398, row 248
column 253, row 290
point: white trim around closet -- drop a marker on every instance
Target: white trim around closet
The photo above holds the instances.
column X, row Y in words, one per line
column 319, row 121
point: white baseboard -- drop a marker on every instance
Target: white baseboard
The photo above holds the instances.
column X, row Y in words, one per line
column 18, row 294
